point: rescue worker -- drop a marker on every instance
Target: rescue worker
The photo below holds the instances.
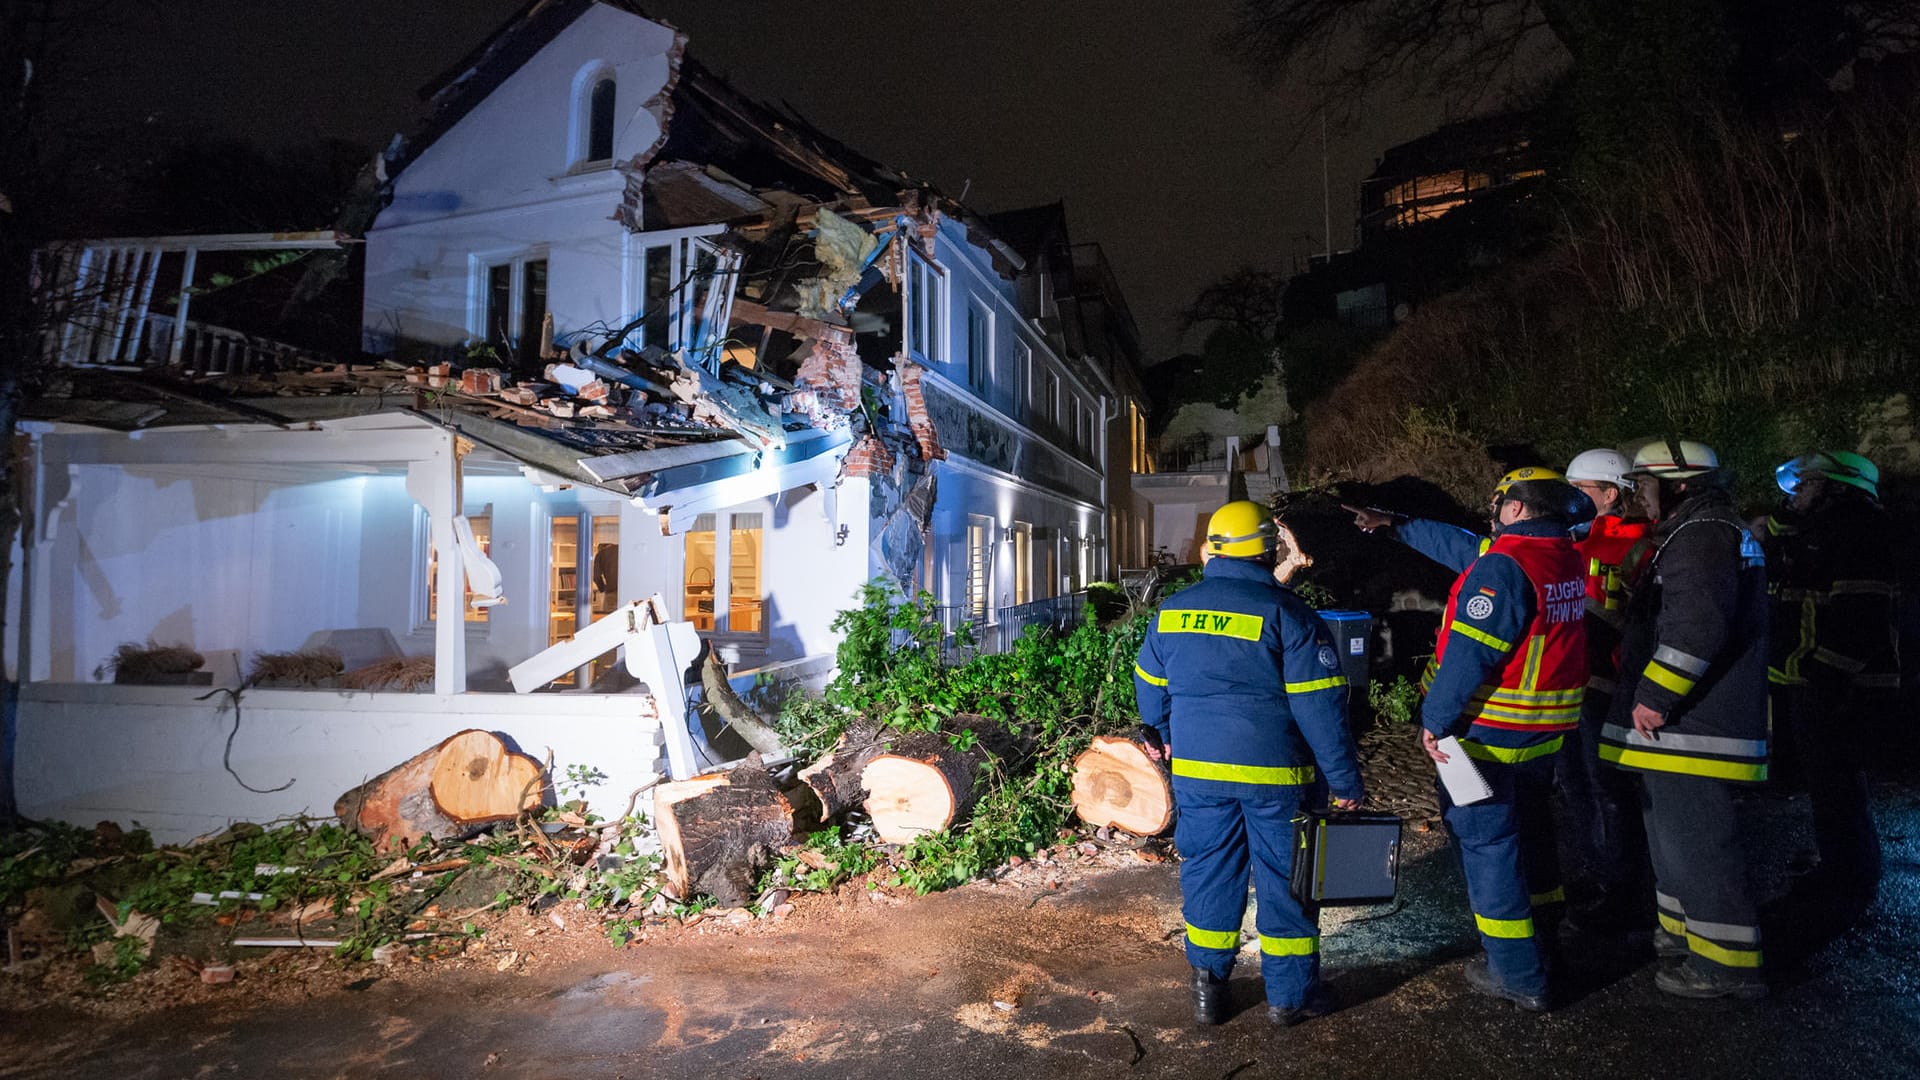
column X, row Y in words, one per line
column 1242, row 683
column 1691, row 717
column 1834, row 656
column 1508, row 673
column 1603, row 804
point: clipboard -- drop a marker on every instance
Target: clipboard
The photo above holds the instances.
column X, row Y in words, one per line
column 1345, row 859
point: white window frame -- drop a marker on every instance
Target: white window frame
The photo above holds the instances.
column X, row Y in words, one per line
column 1020, row 551
column 580, row 116
column 419, row 603
column 923, row 306
column 684, row 321
column 977, row 586
column 984, row 384
column 1023, row 374
column 479, row 266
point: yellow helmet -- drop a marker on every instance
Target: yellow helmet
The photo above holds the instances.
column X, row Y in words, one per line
column 1242, row 530
column 1530, row 472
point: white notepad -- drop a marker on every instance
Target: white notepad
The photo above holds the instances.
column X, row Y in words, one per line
column 1465, row 785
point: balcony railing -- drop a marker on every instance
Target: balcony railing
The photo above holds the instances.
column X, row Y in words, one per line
column 1005, row 625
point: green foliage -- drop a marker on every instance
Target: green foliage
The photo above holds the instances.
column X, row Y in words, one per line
column 579, row 778
column 822, row 863
column 129, row 956
column 1316, row 595
column 1394, row 703
column 37, row 856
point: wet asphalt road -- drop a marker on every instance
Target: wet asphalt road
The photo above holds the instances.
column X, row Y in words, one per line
column 1095, row 976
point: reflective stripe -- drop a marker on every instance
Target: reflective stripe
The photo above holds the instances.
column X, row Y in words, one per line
column 1231, row 624
column 1877, row 682
column 1838, row 662
column 1213, row 939
column 1243, row 774
column 1555, row 895
column 1719, row 931
column 1699, row 744
column 1679, row 661
column 1508, row 696
column 1510, row 755
column 1780, row 678
column 1666, row 677
column 1317, row 684
column 1676, row 927
column 1530, row 675
column 1740, row 958
column 1671, row 903
column 1504, row 928
column 1289, row 946
column 1142, row 672
column 1480, row 636
column 1676, row 763
column 1864, row 588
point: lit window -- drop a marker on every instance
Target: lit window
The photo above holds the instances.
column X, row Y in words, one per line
column 600, row 121
column 979, row 566
column 482, row 524
column 744, row 598
column 697, row 590
column 1022, row 562
column 563, row 586
column 603, row 586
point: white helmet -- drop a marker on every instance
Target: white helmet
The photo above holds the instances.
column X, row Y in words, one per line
column 1675, row 459
column 1602, row 466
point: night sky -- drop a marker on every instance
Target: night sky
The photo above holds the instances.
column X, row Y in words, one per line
column 1165, row 152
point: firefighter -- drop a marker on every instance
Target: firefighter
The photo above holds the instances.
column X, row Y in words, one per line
column 1507, row 677
column 1603, row 804
column 1691, row 717
column 1834, row 655
column 1241, row 682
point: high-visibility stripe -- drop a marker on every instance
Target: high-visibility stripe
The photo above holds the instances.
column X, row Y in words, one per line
column 1147, row 677
column 1676, row 927
column 1600, row 684
column 1525, row 717
column 1213, row 939
column 1530, row 674
column 1504, row 928
column 1680, row 763
column 1289, row 946
column 1699, row 744
column 1555, row 895
column 1780, row 678
column 1233, row 624
column 1719, row 931
column 1316, row 684
column 1291, row 775
column 1664, row 676
column 1508, row 696
column 1670, row 903
column 1480, row 636
column 1679, row 661
column 1510, row 755
column 1884, row 681
column 1720, row 954
column 1838, row 662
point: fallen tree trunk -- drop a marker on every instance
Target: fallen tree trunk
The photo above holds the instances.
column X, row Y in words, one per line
column 1120, row 782
column 484, row 782
column 835, row 778
column 928, row 781
column 734, row 712
column 720, row 830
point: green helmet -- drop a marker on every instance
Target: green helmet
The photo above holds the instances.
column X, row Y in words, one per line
column 1839, row 466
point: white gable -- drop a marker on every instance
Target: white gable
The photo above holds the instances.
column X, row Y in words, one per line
column 513, row 147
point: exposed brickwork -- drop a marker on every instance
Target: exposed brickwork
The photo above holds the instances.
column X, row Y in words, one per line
column 917, row 418
column 869, row 457
column 832, row 370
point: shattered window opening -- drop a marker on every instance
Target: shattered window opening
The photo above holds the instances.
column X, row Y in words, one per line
column 481, row 521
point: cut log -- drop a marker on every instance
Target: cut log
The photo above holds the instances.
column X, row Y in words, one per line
column 1118, row 782
column 732, row 711
column 478, row 780
column 720, row 830
column 927, row 783
column 835, row 778
column 398, row 807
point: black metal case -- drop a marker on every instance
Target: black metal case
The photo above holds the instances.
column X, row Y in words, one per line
column 1346, row 859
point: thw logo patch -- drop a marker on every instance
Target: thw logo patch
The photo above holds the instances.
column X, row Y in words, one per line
column 1231, row 624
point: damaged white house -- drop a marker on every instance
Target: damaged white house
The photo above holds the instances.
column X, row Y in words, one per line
column 628, row 334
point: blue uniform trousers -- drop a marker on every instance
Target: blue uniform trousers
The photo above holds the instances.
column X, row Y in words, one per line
column 1603, row 823
column 1219, row 837
column 1513, row 871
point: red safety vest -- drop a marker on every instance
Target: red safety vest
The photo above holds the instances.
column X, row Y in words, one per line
column 1539, row 687
column 1605, row 548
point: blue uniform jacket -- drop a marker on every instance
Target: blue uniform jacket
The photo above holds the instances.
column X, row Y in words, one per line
column 1241, row 680
column 1470, row 662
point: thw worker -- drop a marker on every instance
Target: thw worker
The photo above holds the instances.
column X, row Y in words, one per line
column 1242, row 683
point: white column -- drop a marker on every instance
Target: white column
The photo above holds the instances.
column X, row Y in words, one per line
column 434, row 483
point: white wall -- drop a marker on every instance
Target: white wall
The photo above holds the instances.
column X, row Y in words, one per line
column 150, row 756
column 498, row 185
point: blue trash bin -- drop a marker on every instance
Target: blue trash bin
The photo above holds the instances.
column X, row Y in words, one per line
column 1352, row 633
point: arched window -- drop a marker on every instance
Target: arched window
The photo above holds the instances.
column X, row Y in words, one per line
column 600, row 120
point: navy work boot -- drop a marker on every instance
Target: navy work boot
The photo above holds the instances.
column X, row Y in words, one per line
column 1209, row 998
column 1480, row 977
column 1703, row 979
